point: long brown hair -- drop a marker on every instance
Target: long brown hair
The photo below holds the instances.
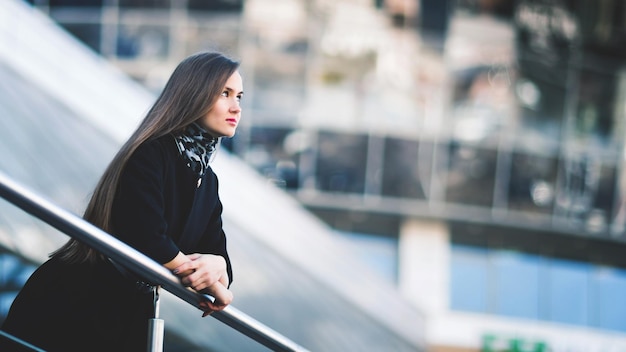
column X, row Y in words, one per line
column 188, row 96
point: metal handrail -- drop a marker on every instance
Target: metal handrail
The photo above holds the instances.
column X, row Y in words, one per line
column 148, row 269
column 10, row 341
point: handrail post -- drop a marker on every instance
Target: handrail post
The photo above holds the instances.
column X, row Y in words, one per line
column 156, row 326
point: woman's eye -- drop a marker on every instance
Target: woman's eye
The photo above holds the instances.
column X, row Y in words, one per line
column 225, row 93
column 239, row 98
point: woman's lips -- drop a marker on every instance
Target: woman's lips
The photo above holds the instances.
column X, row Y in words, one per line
column 232, row 121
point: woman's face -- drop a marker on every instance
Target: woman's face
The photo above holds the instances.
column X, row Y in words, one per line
column 222, row 119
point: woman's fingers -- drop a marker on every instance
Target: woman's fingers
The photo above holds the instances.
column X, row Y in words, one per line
column 194, row 256
column 194, row 261
column 201, row 279
column 202, row 271
column 221, row 294
column 224, row 280
column 223, row 297
column 212, row 307
column 183, row 269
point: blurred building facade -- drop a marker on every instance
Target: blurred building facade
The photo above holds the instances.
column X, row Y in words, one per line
column 473, row 149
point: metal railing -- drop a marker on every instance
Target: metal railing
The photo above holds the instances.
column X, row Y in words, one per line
column 136, row 261
column 9, row 342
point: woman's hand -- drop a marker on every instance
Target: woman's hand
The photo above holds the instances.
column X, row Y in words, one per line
column 222, row 295
column 202, row 271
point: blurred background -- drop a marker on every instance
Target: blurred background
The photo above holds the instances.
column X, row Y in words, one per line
column 467, row 156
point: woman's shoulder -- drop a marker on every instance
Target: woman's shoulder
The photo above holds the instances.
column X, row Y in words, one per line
column 163, row 146
column 155, row 160
column 158, row 154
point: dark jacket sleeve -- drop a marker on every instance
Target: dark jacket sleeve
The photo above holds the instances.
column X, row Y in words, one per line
column 214, row 239
column 138, row 209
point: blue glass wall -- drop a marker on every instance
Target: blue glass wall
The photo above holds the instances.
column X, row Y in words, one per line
column 520, row 285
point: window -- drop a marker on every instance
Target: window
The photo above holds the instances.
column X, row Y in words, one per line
column 568, row 297
column 143, row 41
column 341, row 162
column 144, row 3
column 406, row 173
column 74, row 3
column 378, row 252
column 215, row 5
column 469, row 279
column 608, row 289
column 516, row 284
column 532, row 184
column 471, row 176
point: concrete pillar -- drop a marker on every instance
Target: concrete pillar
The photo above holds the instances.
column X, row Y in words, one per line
column 423, row 264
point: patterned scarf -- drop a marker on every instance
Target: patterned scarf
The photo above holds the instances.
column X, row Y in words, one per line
column 196, row 146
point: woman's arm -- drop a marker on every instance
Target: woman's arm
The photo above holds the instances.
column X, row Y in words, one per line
column 213, row 240
column 179, row 260
column 138, row 213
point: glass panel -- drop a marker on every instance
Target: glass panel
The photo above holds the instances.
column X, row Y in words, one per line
column 586, row 193
column 341, row 162
column 219, row 33
column 542, row 109
column 75, row 3
column 603, row 203
column 545, row 34
column 215, row 5
column 469, row 279
column 268, row 153
column 532, row 183
column 517, row 284
column 378, row 252
column 568, row 292
column 608, row 291
column 144, row 3
column 147, row 41
column 279, row 80
column 594, row 116
column 471, row 176
column 480, row 107
column 405, row 173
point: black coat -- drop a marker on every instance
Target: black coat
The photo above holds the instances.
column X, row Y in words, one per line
column 161, row 207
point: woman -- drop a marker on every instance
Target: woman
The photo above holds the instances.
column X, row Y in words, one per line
column 158, row 195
